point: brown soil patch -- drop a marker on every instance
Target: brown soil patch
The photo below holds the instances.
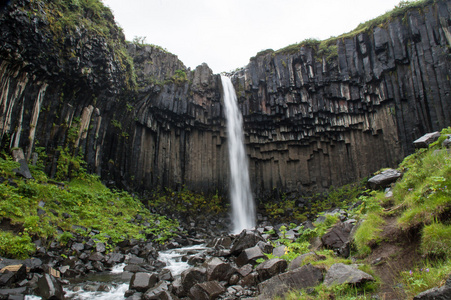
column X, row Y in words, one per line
column 397, row 252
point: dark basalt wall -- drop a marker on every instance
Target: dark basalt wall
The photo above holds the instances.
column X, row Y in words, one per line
column 310, row 121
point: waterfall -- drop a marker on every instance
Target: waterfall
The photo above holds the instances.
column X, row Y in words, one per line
column 243, row 211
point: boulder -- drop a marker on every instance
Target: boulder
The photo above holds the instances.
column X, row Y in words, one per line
column 341, row 273
column 193, row 276
column 338, row 238
column 437, row 293
column 141, row 282
column 249, row 255
column 245, row 270
column 271, row 268
column 159, row 291
column 220, row 243
column 245, row 240
column 426, row 140
column 50, row 288
column 300, row 278
column 219, row 270
column 279, row 250
column 206, row 290
column 96, row 256
column 297, row 262
column 383, row 179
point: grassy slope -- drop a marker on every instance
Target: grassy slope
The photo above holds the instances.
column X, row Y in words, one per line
column 410, row 233
column 82, row 201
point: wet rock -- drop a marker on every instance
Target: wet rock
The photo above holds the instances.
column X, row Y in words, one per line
column 384, row 179
column 270, row 268
column 49, row 288
column 159, row 291
column 165, row 275
column 218, row 270
column 206, row 290
column 437, row 293
column 15, row 293
column 249, row 255
column 341, row 273
column 245, row 240
column 300, row 278
column 249, row 280
column 141, row 282
column 193, row 276
column 220, row 243
column 7, row 278
column 96, row 256
column 426, row 140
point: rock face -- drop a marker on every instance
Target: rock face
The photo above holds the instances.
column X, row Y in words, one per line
column 311, row 121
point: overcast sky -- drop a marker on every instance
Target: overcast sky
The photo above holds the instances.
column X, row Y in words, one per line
column 226, row 33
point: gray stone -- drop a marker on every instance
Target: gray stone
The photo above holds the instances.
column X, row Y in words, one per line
column 245, row 240
column 141, row 282
column 300, row 278
column 426, row 140
column 206, row 291
column 49, row 288
column 23, row 170
column 193, row 276
column 218, row 270
column 270, row 268
column 341, row 273
column 249, row 255
column 297, row 262
column 279, row 250
column 383, row 179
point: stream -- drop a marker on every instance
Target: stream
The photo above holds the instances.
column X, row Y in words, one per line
column 113, row 284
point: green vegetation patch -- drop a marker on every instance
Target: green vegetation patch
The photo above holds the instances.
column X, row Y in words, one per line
column 34, row 210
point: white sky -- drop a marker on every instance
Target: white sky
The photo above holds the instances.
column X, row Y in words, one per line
column 226, row 33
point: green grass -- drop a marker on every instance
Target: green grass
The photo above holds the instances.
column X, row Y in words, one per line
column 436, row 240
column 88, row 202
column 368, row 233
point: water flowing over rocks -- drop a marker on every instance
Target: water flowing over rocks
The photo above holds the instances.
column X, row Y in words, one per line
column 310, row 121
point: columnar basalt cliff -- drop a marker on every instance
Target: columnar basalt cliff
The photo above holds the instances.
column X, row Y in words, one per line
column 311, row 120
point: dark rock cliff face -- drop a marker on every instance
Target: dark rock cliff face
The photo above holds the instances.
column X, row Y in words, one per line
column 316, row 123
column 310, row 121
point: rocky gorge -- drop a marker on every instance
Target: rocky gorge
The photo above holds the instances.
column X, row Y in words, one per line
column 81, row 100
column 315, row 115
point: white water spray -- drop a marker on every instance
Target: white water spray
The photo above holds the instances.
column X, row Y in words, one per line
column 243, row 211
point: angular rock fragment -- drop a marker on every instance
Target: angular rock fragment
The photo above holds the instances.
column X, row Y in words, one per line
column 383, row 179
column 249, row 255
column 271, row 268
column 206, row 290
column 341, row 273
column 426, row 140
column 303, row 277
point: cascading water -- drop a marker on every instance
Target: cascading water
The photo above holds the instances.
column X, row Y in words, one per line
column 243, row 211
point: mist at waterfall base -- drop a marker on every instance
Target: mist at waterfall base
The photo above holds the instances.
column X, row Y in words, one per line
column 243, row 210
